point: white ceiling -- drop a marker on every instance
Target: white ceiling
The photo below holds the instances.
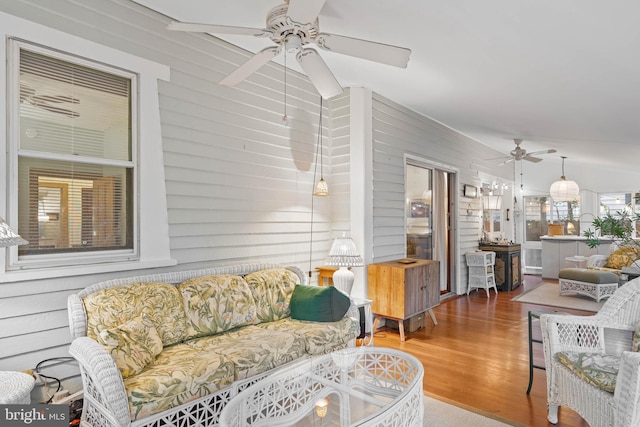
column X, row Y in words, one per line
column 557, row 74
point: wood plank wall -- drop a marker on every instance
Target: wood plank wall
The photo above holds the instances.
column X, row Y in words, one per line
column 397, row 131
column 238, row 182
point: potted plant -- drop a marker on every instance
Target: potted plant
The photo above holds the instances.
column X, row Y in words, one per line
column 619, row 229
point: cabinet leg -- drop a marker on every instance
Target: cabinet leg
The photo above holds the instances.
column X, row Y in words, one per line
column 433, row 316
column 401, row 328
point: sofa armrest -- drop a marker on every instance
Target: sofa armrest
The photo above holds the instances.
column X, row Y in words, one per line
column 104, row 393
column 627, row 394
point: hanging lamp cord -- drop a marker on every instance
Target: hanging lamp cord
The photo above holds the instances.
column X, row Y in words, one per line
column 315, row 170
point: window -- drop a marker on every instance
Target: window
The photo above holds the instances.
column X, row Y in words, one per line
column 75, row 157
column 56, row 187
column 616, row 203
column 540, row 211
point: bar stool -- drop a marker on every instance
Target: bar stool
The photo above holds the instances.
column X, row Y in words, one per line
column 481, row 271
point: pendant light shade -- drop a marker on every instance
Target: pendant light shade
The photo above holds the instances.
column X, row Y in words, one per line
column 564, row 189
column 322, row 189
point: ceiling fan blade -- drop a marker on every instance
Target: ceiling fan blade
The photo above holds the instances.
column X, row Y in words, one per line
column 217, row 29
column 319, row 73
column 251, row 66
column 365, row 49
column 304, row 11
column 532, row 159
column 506, row 162
column 551, row 150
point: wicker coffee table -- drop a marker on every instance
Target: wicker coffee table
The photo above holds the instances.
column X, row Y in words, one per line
column 359, row 386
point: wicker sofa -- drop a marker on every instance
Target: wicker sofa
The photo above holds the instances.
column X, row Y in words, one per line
column 174, row 348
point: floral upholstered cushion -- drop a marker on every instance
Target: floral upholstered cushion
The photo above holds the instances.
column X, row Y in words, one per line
column 179, row 374
column 217, row 303
column 319, row 338
column 272, row 289
column 132, row 345
column 600, row 370
column 159, row 302
column 253, row 350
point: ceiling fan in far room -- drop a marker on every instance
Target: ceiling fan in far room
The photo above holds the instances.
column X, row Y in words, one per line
column 520, row 153
column 292, row 26
column 48, row 102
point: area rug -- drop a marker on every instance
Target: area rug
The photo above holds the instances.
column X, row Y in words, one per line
column 549, row 294
column 438, row 413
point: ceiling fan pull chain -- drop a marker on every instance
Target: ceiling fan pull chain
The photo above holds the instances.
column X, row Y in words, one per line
column 285, row 119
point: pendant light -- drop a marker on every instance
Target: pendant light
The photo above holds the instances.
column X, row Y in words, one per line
column 564, row 190
column 322, row 189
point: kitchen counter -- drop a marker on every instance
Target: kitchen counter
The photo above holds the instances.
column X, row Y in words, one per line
column 558, row 250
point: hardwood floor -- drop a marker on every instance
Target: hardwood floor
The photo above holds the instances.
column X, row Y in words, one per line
column 478, row 356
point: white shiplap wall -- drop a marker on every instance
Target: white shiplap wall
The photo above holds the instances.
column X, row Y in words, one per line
column 238, row 182
column 399, row 131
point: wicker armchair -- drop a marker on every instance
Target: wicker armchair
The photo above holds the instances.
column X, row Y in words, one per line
column 608, row 332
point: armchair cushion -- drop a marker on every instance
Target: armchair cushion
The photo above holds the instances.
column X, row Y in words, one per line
column 132, row 345
column 600, row 370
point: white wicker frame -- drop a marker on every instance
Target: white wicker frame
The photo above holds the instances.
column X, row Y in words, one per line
column 105, row 400
column 481, row 271
column 596, row 291
column 384, row 378
column 609, row 331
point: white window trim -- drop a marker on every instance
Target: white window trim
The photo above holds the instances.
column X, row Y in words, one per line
column 153, row 224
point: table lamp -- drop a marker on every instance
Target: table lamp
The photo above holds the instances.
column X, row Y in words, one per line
column 344, row 254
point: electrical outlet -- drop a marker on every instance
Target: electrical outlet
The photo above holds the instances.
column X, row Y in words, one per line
column 63, row 397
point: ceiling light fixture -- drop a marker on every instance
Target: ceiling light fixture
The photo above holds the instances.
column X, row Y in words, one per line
column 564, row 190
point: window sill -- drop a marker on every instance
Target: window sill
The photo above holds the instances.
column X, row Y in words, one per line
column 44, row 273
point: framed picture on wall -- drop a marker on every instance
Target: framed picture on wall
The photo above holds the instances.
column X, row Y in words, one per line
column 470, row 191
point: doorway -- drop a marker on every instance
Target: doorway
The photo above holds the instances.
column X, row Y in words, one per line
column 429, row 206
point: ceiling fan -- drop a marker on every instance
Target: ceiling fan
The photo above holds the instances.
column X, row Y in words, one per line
column 520, row 153
column 293, row 25
column 46, row 102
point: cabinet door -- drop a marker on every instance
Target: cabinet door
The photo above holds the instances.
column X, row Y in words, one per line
column 415, row 290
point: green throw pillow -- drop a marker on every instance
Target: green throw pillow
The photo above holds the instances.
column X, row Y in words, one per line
column 319, row 304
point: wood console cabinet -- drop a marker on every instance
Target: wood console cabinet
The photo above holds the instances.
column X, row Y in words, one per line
column 400, row 291
column 507, row 267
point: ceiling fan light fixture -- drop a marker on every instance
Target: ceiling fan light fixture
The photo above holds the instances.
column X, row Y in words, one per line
column 564, row 190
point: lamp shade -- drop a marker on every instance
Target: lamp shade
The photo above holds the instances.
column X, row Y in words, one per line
column 492, row 202
column 344, row 253
column 322, row 189
column 564, row 190
column 8, row 237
